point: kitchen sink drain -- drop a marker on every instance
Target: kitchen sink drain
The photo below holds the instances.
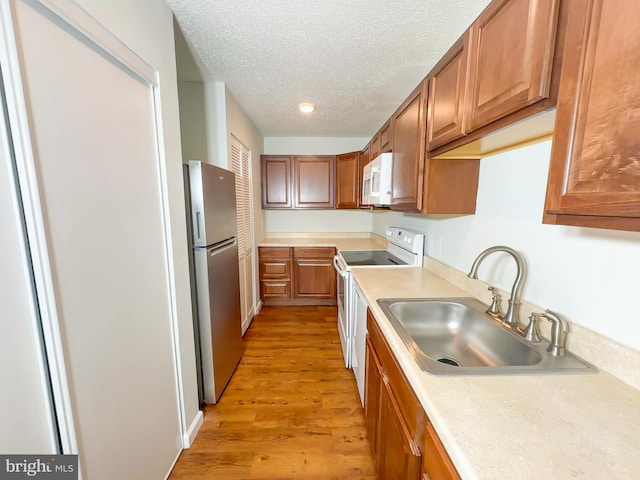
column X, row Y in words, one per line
column 448, row 361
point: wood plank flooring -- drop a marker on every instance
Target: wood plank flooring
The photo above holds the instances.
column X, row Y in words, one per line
column 290, row 412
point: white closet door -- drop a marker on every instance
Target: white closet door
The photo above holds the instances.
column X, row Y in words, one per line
column 96, row 153
column 241, row 166
column 26, row 422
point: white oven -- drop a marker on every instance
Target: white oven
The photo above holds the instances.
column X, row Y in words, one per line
column 343, row 285
column 405, row 248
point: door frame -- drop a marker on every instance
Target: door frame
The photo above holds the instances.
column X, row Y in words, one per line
column 18, row 114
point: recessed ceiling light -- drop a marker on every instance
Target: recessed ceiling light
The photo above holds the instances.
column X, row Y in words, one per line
column 306, row 107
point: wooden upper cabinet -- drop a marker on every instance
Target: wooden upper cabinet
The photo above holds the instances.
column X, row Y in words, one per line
column 385, row 135
column 408, row 152
column 594, row 176
column 451, row 186
column 364, row 159
column 276, row 181
column 374, row 147
column 511, row 55
column 447, row 94
column 348, row 180
column 297, row 182
column 313, row 181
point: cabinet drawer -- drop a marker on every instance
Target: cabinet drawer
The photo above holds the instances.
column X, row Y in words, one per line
column 275, row 288
column 314, row 252
column 274, row 252
column 275, row 268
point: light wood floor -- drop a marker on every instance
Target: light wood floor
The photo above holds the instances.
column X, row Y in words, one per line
column 290, row 412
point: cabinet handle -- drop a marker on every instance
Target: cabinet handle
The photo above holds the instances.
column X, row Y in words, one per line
column 425, row 476
column 415, row 450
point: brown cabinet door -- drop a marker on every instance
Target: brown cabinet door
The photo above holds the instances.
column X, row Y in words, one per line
column 314, row 278
column 511, row 54
column 451, row 186
column 385, row 135
column 398, row 455
column 276, row 181
column 594, row 176
column 374, row 147
column 408, row 152
column 447, row 93
column 348, row 180
column 372, row 384
column 314, row 181
column 436, row 463
column 364, row 159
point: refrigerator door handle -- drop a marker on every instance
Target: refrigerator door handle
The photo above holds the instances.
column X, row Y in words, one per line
column 198, row 230
column 218, row 247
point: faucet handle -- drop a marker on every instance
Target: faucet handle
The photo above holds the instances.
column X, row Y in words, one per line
column 559, row 332
column 531, row 332
column 494, row 309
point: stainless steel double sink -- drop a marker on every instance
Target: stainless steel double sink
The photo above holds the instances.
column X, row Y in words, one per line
column 453, row 336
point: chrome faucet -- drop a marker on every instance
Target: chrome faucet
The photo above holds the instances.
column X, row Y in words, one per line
column 511, row 318
column 559, row 332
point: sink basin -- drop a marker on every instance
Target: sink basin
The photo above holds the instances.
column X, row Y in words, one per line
column 453, row 336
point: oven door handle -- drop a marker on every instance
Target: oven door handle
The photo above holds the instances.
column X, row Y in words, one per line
column 341, row 271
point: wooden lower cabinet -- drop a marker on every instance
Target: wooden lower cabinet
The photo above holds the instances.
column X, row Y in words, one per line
column 274, row 264
column 297, row 276
column 398, row 455
column 435, row 461
column 404, row 443
column 314, row 274
column 372, row 389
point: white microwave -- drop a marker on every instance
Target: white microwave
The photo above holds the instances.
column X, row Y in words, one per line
column 376, row 181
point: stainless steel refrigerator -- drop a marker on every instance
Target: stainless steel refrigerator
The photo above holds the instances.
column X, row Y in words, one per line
column 215, row 275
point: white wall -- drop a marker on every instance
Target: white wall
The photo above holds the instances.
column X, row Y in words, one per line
column 193, row 129
column 318, row 221
column 216, row 120
column 146, row 27
column 315, row 220
column 313, row 145
column 589, row 275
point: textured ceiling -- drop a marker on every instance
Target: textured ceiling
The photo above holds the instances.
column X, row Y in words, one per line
column 357, row 60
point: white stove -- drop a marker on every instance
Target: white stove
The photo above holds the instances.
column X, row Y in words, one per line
column 405, row 249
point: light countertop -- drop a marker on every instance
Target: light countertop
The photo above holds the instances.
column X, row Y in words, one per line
column 515, row 427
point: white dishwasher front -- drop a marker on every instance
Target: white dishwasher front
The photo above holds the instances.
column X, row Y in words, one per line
column 359, row 338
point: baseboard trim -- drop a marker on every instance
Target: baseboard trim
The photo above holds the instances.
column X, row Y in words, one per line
column 190, row 435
